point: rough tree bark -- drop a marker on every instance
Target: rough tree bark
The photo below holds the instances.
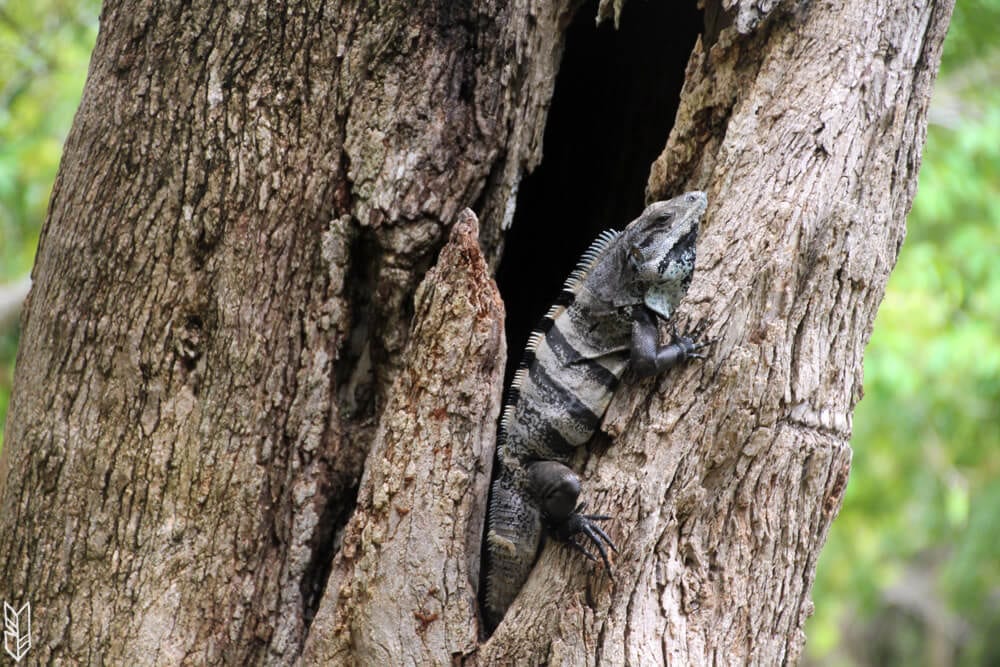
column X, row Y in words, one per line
column 218, row 340
column 805, row 123
column 248, row 198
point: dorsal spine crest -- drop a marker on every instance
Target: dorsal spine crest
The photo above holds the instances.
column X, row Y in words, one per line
column 588, row 259
column 569, row 290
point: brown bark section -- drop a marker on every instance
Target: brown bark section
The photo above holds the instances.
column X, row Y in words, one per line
column 405, row 580
column 248, row 198
column 725, row 475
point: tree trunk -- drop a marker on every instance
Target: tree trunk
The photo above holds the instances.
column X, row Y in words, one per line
column 404, row 582
column 222, row 340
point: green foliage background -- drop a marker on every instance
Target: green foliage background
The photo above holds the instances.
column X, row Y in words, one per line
column 911, row 573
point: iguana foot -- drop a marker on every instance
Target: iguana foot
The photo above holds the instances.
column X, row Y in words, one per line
column 688, row 345
column 648, row 357
column 557, row 488
column 578, row 523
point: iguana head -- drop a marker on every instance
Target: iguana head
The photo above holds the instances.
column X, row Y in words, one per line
column 657, row 251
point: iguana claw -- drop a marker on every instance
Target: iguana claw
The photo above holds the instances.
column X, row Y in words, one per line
column 577, row 523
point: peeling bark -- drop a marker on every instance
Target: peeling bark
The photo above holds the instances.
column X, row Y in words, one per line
column 221, row 342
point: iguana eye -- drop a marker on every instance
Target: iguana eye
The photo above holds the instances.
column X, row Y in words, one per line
column 667, row 217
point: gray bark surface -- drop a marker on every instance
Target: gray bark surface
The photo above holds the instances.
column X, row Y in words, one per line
column 405, row 580
column 214, row 354
column 806, row 134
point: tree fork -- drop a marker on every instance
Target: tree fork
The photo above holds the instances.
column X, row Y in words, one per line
column 247, row 202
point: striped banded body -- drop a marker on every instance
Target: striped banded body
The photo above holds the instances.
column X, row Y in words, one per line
column 571, row 368
column 569, row 373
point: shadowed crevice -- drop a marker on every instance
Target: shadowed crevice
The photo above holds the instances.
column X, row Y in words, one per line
column 614, row 104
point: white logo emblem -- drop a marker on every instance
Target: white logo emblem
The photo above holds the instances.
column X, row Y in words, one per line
column 17, row 630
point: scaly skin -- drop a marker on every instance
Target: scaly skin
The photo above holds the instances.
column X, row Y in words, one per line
column 603, row 322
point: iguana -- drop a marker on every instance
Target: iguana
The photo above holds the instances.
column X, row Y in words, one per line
column 603, row 321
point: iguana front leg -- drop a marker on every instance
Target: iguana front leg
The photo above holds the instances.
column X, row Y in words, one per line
column 648, row 357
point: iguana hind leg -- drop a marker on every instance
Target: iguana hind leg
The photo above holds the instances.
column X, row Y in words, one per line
column 557, row 489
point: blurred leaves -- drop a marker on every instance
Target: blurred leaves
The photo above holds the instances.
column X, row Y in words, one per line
column 45, row 47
